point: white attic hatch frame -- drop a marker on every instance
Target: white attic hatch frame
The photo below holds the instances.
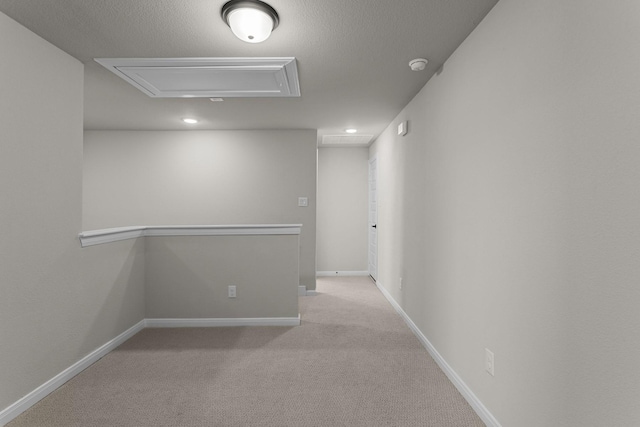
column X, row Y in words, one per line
column 346, row 140
column 208, row 77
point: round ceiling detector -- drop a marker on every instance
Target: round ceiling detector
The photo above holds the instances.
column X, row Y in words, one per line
column 418, row 64
column 250, row 20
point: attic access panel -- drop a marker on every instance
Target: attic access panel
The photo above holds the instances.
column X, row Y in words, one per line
column 346, row 140
column 208, row 77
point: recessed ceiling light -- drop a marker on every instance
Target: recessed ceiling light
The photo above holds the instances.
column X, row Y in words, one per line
column 351, row 130
column 190, row 121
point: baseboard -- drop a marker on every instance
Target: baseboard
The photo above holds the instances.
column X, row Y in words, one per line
column 341, row 273
column 208, row 323
column 45, row 389
column 304, row 292
column 486, row 416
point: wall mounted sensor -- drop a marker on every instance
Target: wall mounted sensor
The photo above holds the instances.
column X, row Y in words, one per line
column 402, row 128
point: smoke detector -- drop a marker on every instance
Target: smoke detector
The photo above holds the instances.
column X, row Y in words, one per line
column 418, row 64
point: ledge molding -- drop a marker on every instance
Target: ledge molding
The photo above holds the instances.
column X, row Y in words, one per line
column 108, row 235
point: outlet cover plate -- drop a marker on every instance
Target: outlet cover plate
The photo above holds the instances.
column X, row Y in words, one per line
column 489, row 361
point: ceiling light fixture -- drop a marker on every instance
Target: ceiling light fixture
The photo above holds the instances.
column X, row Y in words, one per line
column 250, row 20
column 190, row 121
column 351, row 130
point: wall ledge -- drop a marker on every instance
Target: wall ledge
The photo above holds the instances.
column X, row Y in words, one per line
column 108, row 235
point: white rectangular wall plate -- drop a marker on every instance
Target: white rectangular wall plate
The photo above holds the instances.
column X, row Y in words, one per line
column 489, row 361
column 232, row 291
column 402, row 128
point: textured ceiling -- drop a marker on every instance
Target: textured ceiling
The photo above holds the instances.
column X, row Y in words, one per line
column 352, row 57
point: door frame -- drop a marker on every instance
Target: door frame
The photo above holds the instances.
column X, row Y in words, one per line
column 372, row 212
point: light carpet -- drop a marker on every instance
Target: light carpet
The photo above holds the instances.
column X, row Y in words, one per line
column 352, row 362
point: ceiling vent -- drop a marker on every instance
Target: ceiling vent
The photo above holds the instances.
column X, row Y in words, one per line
column 346, row 140
column 208, row 77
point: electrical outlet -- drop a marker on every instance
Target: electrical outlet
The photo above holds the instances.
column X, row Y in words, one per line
column 232, row 291
column 400, row 284
column 489, row 364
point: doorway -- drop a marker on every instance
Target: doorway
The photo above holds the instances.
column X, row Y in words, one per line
column 373, row 218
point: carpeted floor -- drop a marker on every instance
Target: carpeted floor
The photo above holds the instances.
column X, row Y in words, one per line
column 352, row 362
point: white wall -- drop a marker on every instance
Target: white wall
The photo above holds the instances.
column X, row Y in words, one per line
column 188, row 276
column 342, row 209
column 511, row 209
column 203, row 177
column 58, row 302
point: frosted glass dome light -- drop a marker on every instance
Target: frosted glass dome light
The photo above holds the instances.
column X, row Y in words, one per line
column 250, row 20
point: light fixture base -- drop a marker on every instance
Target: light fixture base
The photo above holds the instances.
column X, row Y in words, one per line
column 244, row 7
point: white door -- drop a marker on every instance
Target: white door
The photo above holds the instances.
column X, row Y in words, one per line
column 373, row 218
